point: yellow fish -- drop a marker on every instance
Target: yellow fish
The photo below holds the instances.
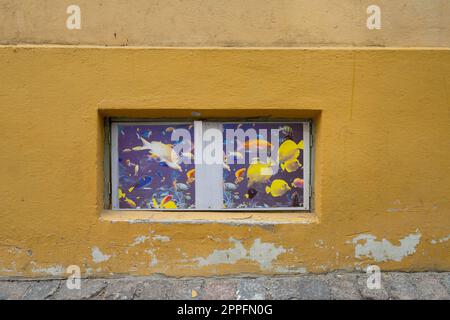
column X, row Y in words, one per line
column 288, row 150
column 190, row 176
column 259, row 172
column 291, row 165
column 166, row 203
column 169, row 205
column 130, row 202
column 121, row 195
column 278, row 188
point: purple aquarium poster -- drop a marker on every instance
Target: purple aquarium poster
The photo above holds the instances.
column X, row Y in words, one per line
column 161, row 179
column 244, row 184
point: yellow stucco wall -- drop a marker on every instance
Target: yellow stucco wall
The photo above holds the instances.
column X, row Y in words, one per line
column 381, row 164
column 237, row 23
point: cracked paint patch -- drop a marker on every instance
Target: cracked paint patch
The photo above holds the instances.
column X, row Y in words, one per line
column 98, row 256
column 139, row 240
column 319, row 244
column 55, row 270
column 441, row 240
column 291, row 270
column 383, row 250
column 261, row 252
column 154, row 260
column 161, row 238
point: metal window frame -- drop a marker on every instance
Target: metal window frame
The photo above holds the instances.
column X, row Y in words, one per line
column 209, row 177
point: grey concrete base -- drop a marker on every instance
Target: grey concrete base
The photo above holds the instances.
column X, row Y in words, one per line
column 394, row 285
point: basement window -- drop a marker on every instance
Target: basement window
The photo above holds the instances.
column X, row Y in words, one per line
column 210, row 165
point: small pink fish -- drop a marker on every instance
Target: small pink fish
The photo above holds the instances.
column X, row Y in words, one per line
column 298, row 183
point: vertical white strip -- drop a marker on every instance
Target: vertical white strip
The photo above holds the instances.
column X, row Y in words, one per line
column 198, row 152
column 306, row 164
column 114, row 166
column 208, row 174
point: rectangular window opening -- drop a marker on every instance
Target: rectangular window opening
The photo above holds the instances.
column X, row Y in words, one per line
column 210, row 165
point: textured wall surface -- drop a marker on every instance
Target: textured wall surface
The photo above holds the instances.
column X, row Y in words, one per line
column 381, row 166
column 236, row 23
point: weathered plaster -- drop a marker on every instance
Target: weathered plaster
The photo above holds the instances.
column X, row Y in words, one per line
column 154, row 259
column 98, row 256
column 440, row 240
column 381, row 121
column 139, row 240
column 161, row 238
column 259, row 252
column 366, row 246
column 57, row 270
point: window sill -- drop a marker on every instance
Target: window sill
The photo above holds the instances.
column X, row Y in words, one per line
column 201, row 217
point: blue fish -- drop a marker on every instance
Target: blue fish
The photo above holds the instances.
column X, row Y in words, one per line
column 142, row 182
column 146, row 133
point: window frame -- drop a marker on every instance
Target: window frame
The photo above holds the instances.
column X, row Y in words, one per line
column 113, row 157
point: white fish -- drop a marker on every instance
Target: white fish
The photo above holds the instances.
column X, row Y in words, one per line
column 236, row 155
column 230, row 186
column 188, row 155
column 164, row 152
column 181, row 186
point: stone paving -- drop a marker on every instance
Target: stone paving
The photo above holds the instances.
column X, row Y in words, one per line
column 336, row 285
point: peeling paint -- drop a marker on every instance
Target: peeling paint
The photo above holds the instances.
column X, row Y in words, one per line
column 384, row 250
column 55, row 270
column 441, row 240
column 154, row 260
column 322, row 267
column 139, row 240
column 98, row 256
column 319, row 244
column 260, row 252
column 161, row 238
column 265, row 253
column 293, row 270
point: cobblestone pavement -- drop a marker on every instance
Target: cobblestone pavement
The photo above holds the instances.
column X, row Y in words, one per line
column 395, row 285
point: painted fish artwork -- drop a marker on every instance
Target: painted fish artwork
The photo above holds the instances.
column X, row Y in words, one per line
column 273, row 179
column 152, row 169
